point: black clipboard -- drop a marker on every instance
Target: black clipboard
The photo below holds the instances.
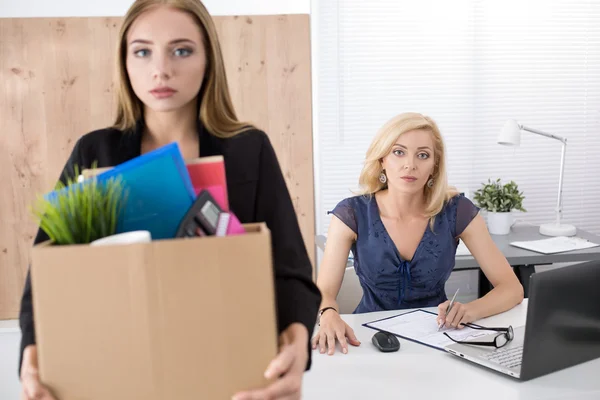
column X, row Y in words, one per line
column 366, row 324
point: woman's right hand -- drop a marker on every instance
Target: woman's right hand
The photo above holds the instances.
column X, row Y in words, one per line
column 332, row 328
column 31, row 387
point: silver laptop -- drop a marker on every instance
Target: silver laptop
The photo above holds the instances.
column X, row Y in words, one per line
column 562, row 327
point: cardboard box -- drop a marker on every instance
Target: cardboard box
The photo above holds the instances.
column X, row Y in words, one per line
column 171, row 319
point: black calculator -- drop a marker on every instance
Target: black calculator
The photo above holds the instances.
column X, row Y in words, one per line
column 204, row 218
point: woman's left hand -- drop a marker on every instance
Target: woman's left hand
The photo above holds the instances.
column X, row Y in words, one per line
column 459, row 314
column 289, row 366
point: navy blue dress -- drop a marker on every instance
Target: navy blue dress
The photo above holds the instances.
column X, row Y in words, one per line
column 390, row 282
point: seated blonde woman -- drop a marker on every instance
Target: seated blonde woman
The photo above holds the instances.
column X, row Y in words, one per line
column 403, row 230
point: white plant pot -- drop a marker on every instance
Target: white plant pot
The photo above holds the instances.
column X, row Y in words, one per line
column 499, row 223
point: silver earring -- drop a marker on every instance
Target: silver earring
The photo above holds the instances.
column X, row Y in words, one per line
column 383, row 177
column 430, row 183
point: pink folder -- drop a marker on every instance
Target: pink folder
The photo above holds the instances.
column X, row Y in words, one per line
column 209, row 173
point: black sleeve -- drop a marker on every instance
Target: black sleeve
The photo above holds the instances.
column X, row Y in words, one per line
column 26, row 320
column 298, row 298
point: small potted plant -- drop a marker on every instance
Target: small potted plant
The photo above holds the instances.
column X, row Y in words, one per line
column 80, row 212
column 499, row 200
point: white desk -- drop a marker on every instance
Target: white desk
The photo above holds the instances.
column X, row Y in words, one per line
column 420, row 372
column 10, row 336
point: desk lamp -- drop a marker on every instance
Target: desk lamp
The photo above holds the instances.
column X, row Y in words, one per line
column 511, row 135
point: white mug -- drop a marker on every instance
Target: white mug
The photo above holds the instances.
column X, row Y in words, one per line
column 124, row 238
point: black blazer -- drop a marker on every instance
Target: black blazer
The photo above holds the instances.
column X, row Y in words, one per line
column 257, row 193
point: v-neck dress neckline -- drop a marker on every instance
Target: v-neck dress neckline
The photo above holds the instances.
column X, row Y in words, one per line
column 391, row 241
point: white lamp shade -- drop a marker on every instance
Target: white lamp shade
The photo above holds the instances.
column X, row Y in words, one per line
column 511, row 134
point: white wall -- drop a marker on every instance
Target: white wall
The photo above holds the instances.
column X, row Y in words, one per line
column 78, row 8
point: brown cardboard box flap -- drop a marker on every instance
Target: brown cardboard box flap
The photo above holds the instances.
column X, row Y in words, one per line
column 170, row 319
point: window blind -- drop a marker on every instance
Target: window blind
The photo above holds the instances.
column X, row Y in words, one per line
column 470, row 65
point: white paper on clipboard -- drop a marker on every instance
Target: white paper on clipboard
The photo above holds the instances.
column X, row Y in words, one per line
column 421, row 326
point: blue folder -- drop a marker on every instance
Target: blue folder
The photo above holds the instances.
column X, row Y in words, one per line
column 159, row 191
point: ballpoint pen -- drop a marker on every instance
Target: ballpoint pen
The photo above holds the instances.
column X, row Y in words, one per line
column 449, row 307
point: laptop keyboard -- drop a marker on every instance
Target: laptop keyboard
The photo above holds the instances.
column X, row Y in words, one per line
column 507, row 357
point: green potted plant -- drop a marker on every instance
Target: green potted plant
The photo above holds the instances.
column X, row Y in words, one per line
column 80, row 212
column 499, row 200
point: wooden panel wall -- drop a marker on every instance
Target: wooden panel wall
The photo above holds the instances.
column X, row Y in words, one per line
column 57, row 84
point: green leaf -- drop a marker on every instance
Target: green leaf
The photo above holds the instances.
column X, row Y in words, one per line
column 81, row 212
column 496, row 197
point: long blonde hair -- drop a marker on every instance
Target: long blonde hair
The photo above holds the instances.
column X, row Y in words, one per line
column 216, row 110
column 440, row 192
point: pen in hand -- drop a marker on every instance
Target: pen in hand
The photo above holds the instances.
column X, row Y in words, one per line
column 449, row 308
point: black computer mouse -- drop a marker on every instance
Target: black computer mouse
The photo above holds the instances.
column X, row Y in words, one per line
column 386, row 341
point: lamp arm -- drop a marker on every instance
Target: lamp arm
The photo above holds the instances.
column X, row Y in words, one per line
column 549, row 135
column 562, row 166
